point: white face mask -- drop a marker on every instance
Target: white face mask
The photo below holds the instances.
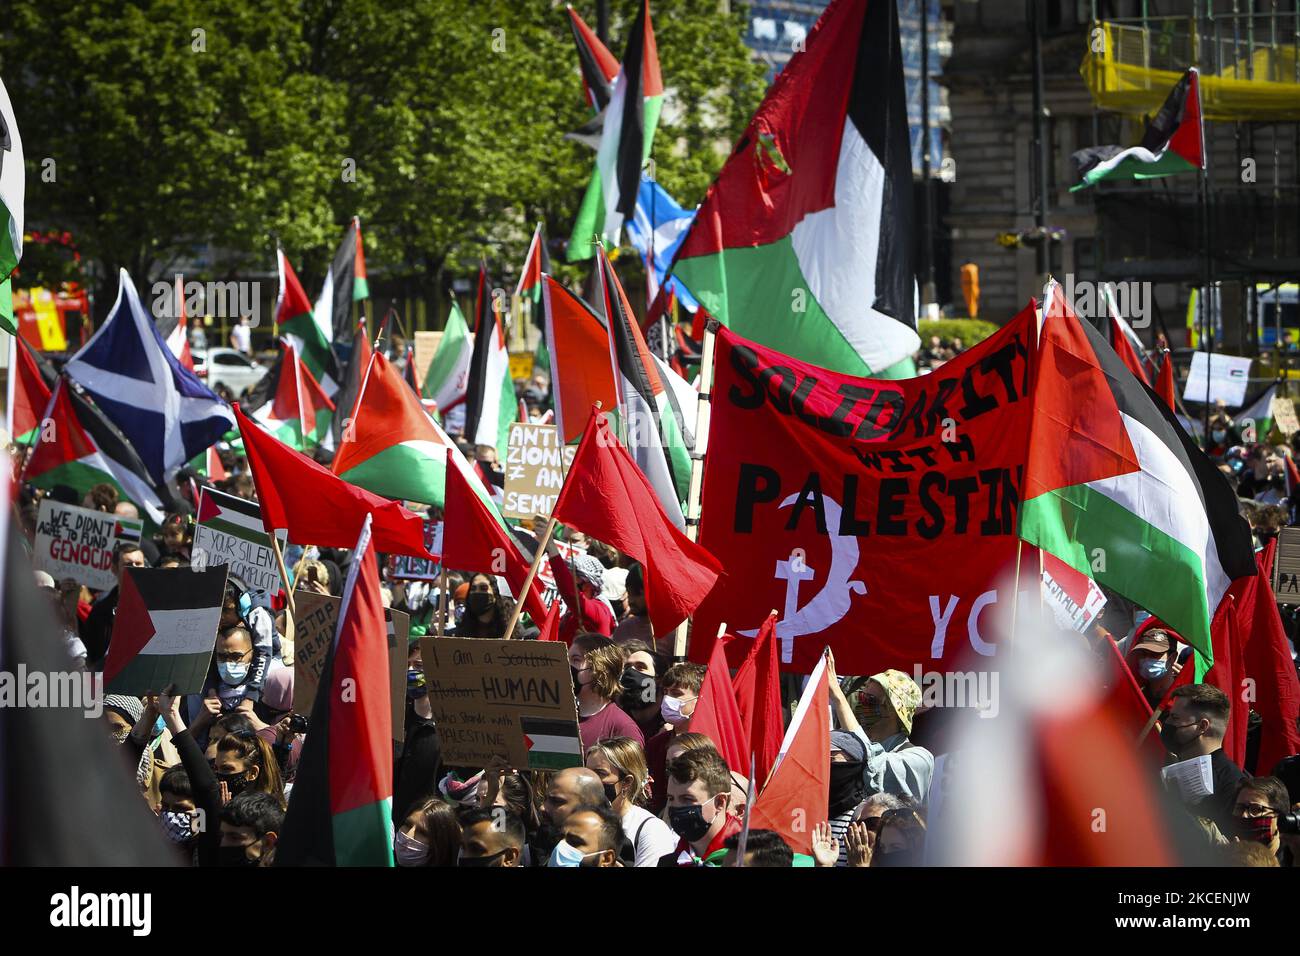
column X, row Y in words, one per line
column 409, row 851
column 670, row 709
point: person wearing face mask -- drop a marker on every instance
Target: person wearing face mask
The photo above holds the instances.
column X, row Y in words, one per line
column 596, row 664
column 1153, row 659
column 620, row 764
column 205, row 796
column 486, row 612
column 901, row 839
column 880, row 716
column 1257, row 805
column 848, row 754
column 699, row 797
column 177, row 813
column 591, row 836
column 1194, row 726
column 490, row 837
column 246, row 762
column 251, row 824
column 639, row 692
column 429, row 836
column 681, row 691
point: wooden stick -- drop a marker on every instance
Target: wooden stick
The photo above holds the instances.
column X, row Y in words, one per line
column 528, row 581
column 1155, row 715
column 284, row 573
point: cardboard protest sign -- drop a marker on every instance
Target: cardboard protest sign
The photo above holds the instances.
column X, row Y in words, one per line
column 1286, row 567
column 535, row 465
column 164, row 630
column 403, row 567
column 502, row 699
column 1075, row 598
column 1282, row 410
column 230, row 531
column 426, row 347
column 315, row 621
column 78, row 543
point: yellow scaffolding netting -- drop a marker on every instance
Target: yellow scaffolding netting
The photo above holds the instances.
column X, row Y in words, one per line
column 1131, row 69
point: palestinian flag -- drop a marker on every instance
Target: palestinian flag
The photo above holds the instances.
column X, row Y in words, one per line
column 578, row 344
column 599, row 68
column 12, row 185
column 535, row 263
column 1125, row 341
column 552, row 744
column 394, row 448
column 85, row 449
column 297, row 323
column 235, row 516
column 1257, row 409
column 630, row 119
column 345, row 283
column 447, row 378
column 1118, row 491
column 341, row 807
column 165, row 628
column 29, row 395
column 652, row 422
column 490, row 392
column 1173, row 143
column 346, row 397
column 175, row 329
column 290, row 404
column 209, row 465
column 804, row 242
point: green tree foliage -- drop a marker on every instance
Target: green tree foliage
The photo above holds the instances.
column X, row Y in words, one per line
column 210, row 129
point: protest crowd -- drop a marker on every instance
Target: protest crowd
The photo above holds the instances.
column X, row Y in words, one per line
column 335, row 625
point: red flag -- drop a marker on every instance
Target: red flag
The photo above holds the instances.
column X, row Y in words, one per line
column 1165, row 382
column 317, row 507
column 579, row 347
column 550, row 627
column 213, row 466
column 1124, row 701
column 717, row 716
column 757, row 686
column 1226, row 673
column 29, row 396
column 797, row 797
column 473, row 539
column 1268, row 664
column 607, row 497
column 1123, row 347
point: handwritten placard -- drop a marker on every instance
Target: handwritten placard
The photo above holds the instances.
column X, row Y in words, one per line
column 78, row 543
column 510, row 700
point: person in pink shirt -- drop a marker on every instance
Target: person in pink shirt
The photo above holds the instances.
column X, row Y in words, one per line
column 597, row 666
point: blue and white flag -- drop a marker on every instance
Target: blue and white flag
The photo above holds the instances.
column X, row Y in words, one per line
column 670, row 224
column 162, row 408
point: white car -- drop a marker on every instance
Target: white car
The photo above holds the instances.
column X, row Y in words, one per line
column 227, row 367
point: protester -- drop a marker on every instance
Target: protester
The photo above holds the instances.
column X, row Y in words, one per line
column 635, row 625
column 592, row 615
column 901, row 838
column 880, row 715
column 639, row 693
column 97, row 628
column 848, row 754
column 762, row 848
column 698, row 799
column 251, row 824
column 491, row 838
column 1194, row 727
column 1258, row 804
column 245, row 762
column 487, row 612
column 591, row 836
column 1153, row 659
column 620, row 764
column 681, row 690
column 429, row 836
column 597, row 666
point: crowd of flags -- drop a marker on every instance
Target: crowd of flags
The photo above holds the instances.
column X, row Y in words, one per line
column 813, row 206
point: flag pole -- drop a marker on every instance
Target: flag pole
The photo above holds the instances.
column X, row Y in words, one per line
column 702, row 412
column 528, row 581
column 284, row 573
column 442, row 597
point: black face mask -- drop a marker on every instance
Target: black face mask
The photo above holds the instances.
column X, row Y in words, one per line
column 1170, row 737
column 638, row 689
column 493, row 859
column 233, row 856
column 236, row 783
column 689, row 823
column 611, row 792
column 896, row 858
column 846, row 786
column 478, row 602
column 573, row 672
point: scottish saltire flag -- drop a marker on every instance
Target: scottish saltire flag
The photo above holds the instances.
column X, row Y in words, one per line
column 162, row 408
column 658, row 214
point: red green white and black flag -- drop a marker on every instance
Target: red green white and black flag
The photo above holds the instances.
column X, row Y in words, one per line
column 804, row 242
column 1174, row 142
column 340, row 810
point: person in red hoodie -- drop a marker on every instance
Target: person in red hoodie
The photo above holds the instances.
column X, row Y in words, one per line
column 699, row 809
column 593, row 616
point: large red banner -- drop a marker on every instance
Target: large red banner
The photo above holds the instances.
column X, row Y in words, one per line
column 875, row 516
